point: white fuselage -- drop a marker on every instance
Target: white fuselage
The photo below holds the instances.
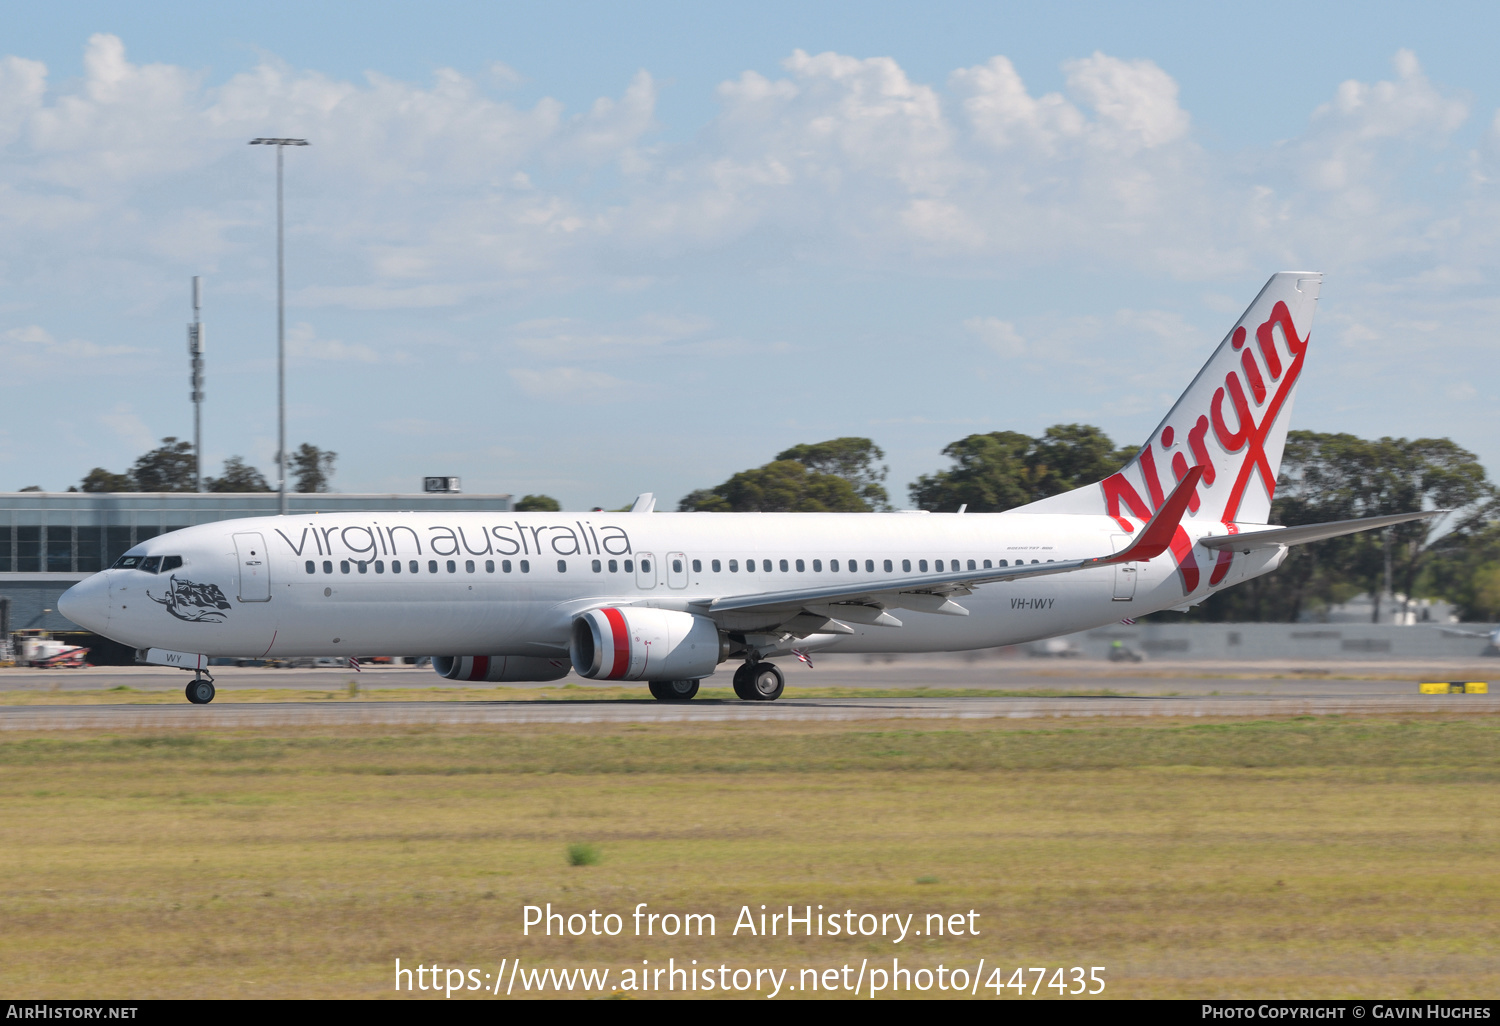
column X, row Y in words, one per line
column 512, row 583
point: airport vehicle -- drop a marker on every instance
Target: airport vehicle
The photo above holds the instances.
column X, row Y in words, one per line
column 666, row 598
column 47, row 653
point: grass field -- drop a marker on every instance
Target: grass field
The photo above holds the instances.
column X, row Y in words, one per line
column 1298, row 858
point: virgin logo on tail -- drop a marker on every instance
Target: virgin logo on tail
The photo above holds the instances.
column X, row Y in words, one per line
column 1229, row 455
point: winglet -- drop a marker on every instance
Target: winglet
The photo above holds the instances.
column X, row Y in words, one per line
column 1156, row 536
column 644, row 503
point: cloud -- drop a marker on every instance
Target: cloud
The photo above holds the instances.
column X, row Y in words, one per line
column 557, row 382
column 1001, row 336
column 303, row 344
column 123, row 422
column 34, row 348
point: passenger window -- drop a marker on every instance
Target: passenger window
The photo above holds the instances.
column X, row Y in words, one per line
column 327, row 566
column 697, row 566
column 922, row 565
column 614, row 567
column 869, row 566
column 1005, row 562
column 395, row 566
column 1034, row 562
column 151, row 564
column 598, row 567
column 380, row 566
column 833, row 565
column 505, row 566
column 716, row 565
column 645, row 566
column 432, row 566
column 364, row 566
column 468, row 566
column 173, row 562
column 889, row 566
column 677, row 566
column 312, row 567
column 937, row 564
column 343, row 566
column 784, row 566
column 562, row 566
column 489, row 566
column 853, row 565
column 801, row 566
column 630, row 566
column 734, row 566
column 525, row 566
column 972, row 566
column 452, row 567
column 412, row 566
column 765, row 565
column 986, row 564
column 818, row 566
column 906, row 566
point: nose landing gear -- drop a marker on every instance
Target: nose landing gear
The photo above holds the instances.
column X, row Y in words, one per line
column 759, row 682
column 201, row 690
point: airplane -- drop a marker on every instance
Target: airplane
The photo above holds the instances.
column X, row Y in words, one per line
column 668, row 598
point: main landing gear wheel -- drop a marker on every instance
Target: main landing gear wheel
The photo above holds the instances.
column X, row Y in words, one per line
column 759, row 682
column 200, row 692
column 673, row 690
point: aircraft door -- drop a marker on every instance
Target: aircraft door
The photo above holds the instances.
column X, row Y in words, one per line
column 677, row 570
column 255, row 568
column 645, row 570
column 1125, row 573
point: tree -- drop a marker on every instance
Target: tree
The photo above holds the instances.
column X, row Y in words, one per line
column 784, row 486
column 853, row 459
column 1004, row 469
column 169, row 468
column 101, row 480
column 32, row 488
column 312, row 467
column 537, row 504
column 238, row 477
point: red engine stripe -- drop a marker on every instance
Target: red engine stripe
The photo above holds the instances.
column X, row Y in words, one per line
column 621, row 641
column 481, row 668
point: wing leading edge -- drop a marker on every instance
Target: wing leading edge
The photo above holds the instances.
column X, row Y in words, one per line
column 1311, row 532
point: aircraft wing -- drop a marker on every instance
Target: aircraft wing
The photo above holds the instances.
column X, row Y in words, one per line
column 1310, row 532
column 864, row 603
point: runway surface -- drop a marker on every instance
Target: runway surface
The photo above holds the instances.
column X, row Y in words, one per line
column 1057, row 690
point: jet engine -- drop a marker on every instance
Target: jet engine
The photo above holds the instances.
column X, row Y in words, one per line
column 640, row 643
column 500, row 669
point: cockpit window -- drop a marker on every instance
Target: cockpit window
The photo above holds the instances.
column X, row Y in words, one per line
column 127, row 562
column 151, row 564
column 170, row 563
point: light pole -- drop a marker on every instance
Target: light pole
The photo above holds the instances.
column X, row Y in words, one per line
column 280, row 144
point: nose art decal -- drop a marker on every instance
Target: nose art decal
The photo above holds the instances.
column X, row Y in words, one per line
column 196, row 603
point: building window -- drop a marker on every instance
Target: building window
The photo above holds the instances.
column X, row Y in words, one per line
column 59, row 549
column 312, row 567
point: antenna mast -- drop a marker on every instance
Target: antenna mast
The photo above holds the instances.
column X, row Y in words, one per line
column 195, row 352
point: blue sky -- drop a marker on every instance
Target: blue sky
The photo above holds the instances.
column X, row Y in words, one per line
column 595, row 249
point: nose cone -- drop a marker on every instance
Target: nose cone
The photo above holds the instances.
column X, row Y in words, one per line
column 87, row 603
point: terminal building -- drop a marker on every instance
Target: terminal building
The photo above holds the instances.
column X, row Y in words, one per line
column 49, row 541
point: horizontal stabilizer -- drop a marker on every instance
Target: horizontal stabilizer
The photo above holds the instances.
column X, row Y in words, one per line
column 1311, row 532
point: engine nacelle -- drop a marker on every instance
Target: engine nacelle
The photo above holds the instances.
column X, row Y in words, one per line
column 640, row 643
column 500, row 669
